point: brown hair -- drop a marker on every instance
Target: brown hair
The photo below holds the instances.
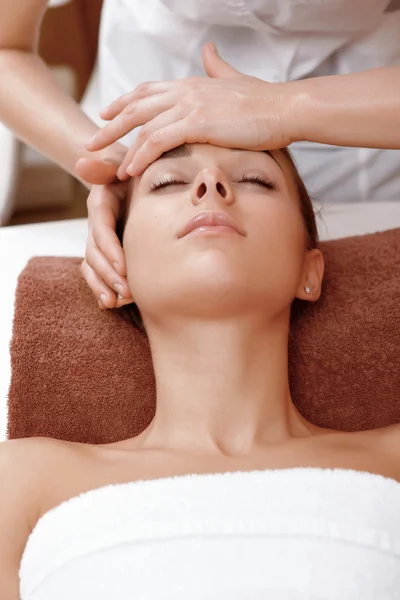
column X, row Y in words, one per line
column 131, row 311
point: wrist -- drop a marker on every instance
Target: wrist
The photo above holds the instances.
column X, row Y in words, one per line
column 300, row 106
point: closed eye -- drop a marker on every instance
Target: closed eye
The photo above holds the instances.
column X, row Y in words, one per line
column 263, row 181
column 165, row 183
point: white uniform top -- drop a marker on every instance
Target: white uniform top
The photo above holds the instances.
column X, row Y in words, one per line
column 282, row 534
column 275, row 40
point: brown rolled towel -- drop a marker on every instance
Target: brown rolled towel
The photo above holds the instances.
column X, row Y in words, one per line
column 83, row 375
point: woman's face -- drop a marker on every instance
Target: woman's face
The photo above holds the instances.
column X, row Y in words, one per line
column 253, row 259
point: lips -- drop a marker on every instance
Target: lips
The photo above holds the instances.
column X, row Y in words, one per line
column 211, row 219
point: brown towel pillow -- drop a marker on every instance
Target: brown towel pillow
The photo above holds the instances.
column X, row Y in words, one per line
column 83, row 375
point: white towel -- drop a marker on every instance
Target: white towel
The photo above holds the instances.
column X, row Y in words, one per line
column 302, row 533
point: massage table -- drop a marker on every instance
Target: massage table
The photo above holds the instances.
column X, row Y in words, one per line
column 68, row 238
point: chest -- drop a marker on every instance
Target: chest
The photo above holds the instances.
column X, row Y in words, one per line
column 359, row 451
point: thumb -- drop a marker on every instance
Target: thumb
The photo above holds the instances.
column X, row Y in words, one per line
column 96, row 171
column 215, row 66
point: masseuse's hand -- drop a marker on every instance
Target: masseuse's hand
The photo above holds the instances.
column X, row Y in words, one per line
column 225, row 109
column 104, row 265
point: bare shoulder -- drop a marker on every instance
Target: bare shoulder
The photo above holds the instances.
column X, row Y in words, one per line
column 384, row 443
column 18, row 457
column 25, row 453
column 24, row 466
column 390, row 437
column 28, row 464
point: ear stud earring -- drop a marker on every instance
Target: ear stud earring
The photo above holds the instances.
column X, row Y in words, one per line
column 307, row 290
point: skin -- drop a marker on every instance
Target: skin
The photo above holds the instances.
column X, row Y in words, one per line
column 358, row 109
column 233, row 110
column 216, row 308
column 34, row 107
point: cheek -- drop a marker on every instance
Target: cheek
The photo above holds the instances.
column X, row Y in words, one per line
column 278, row 225
column 146, row 237
column 278, row 234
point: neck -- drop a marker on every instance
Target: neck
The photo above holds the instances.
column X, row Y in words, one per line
column 222, row 387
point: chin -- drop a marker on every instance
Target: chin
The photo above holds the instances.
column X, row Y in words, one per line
column 220, row 260
column 216, row 295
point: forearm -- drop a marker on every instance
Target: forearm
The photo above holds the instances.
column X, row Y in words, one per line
column 41, row 113
column 360, row 109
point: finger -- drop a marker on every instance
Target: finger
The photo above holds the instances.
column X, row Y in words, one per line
column 215, row 66
column 112, row 110
column 106, row 296
column 97, row 261
column 124, row 302
column 122, row 173
column 95, row 171
column 147, row 88
column 169, row 137
column 104, row 206
column 135, row 114
column 161, row 121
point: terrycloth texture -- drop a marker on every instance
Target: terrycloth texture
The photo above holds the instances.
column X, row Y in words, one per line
column 286, row 534
column 83, row 375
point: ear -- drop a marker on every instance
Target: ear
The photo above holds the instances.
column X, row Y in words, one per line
column 312, row 276
column 215, row 66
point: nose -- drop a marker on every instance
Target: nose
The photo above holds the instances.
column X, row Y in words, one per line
column 212, row 185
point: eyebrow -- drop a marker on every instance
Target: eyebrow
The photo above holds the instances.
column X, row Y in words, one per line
column 182, row 151
column 186, row 150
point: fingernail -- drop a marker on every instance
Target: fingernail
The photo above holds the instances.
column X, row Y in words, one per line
column 103, row 299
column 116, row 266
column 101, row 305
column 120, row 297
column 119, row 289
column 129, row 169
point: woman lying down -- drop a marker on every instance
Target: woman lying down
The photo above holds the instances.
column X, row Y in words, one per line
column 229, row 492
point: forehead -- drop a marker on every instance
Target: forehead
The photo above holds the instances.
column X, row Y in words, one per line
column 186, row 150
